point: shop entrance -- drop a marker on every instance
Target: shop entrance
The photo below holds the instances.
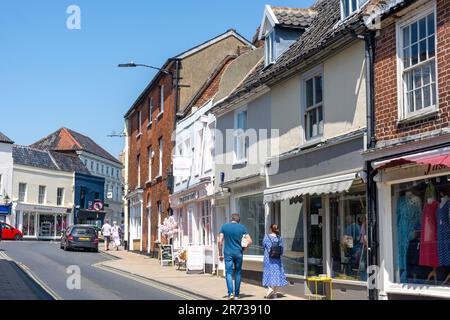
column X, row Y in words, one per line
column 46, row 225
column 315, row 219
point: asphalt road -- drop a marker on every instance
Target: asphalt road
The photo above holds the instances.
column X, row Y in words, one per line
column 50, row 264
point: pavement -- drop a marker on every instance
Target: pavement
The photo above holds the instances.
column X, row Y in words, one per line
column 55, row 270
column 205, row 286
column 16, row 283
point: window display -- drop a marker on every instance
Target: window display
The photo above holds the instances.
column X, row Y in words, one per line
column 349, row 235
column 252, row 213
column 422, row 231
column 288, row 215
column 28, row 224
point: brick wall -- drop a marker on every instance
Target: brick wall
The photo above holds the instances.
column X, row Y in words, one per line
column 161, row 127
column 386, row 96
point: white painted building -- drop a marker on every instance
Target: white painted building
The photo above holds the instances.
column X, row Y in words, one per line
column 6, row 169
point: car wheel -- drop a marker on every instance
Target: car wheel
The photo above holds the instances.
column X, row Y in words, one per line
column 17, row 237
column 66, row 247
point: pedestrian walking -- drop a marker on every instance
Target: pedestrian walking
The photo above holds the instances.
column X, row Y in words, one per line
column 236, row 239
column 273, row 275
column 115, row 232
column 106, row 232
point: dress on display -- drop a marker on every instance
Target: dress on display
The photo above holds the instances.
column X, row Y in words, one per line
column 409, row 213
column 444, row 234
column 429, row 247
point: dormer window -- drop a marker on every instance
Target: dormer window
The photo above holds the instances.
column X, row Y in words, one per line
column 270, row 48
column 348, row 7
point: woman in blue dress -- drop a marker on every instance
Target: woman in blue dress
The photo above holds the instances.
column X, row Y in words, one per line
column 273, row 275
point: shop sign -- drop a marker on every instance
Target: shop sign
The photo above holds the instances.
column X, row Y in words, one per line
column 182, row 166
column 5, row 209
column 166, row 254
column 34, row 208
column 434, row 168
column 195, row 258
column 189, row 197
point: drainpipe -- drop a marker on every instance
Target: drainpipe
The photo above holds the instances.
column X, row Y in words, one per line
column 373, row 244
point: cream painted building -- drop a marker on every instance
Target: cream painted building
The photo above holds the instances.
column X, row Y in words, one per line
column 43, row 192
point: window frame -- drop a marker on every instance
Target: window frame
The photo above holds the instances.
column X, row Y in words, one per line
column 269, row 48
column 351, row 12
column 161, row 99
column 150, row 111
column 312, row 74
column 60, row 198
column 408, row 20
column 44, row 200
column 24, row 193
column 161, row 155
column 237, row 135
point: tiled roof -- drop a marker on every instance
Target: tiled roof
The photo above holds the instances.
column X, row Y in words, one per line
column 294, row 17
column 69, row 163
column 68, row 140
column 5, row 139
column 33, row 157
column 325, row 27
column 50, row 160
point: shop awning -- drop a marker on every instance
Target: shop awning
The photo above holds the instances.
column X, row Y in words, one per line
column 334, row 184
column 439, row 158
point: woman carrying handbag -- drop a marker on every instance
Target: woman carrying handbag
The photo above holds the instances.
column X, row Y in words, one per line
column 273, row 275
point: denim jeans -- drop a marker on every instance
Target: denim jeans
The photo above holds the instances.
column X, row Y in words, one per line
column 236, row 261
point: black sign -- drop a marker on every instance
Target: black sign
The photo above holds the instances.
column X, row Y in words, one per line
column 166, row 254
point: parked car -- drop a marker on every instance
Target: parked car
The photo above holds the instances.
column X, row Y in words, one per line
column 80, row 237
column 10, row 233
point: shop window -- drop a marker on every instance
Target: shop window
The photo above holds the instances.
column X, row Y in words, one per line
column 422, row 231
column 349, row 235
column 29, row 219
column 315, row 236
column 252, row 212
column 417, row 41
column 288, row 215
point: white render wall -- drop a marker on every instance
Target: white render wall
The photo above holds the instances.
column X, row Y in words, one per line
column 35, row 177
column 6, row 170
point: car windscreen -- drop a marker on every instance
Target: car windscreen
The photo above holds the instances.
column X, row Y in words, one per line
column 83, row 231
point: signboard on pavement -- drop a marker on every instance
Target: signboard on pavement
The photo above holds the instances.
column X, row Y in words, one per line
column 195, row 258
column 166, row 254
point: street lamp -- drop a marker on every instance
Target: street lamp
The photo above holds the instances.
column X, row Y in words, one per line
column 134, row 65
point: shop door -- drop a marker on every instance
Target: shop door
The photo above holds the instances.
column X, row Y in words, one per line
column 315, row 225
column 46, row 225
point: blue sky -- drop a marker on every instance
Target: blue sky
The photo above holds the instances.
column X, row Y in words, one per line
column 52, row 77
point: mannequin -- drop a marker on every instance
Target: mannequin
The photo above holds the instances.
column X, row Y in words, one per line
column 429, row 249
column 409, row 213
column 444, row 232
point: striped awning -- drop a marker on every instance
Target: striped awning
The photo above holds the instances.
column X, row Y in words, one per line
column 330, row 185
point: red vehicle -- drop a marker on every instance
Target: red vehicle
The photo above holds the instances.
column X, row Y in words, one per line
column 10, row 233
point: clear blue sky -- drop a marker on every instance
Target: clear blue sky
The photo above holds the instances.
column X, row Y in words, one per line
column 52, row 77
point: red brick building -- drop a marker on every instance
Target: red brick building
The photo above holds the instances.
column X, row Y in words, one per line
column 411, row 149
column 150, row 124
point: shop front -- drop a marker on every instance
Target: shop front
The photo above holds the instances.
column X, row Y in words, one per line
column 193, row 212
column 414, row 218
column 135, row 207
column 317, row 197
column 5, row 213
column 42, row 222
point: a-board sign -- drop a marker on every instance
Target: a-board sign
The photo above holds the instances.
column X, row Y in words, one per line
column 166, row 254
column 195, row 258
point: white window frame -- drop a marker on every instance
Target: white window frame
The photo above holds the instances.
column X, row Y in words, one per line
column 150, row 111
column 44, row 199
column 25, row 193
column 159, row 204
column 359, row 5
column 150, row 162
column 209, row 148
column 187, row 146
column 415, row 16
column 139, row 171
column 312, row 74
column 240, row 159
column 161, row 155
column 161, row 103
column 199, row 146
column 60, row 199
column 269, row 47
column 139, row 123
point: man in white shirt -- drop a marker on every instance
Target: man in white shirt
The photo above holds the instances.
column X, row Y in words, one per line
column 106, row 232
